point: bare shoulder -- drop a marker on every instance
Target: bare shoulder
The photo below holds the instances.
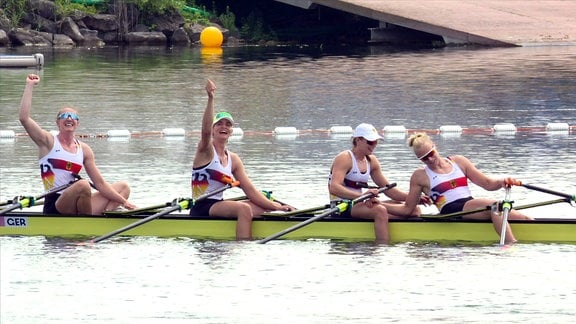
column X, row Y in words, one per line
column 462, row 161
column 86, row 149
column 459, row 158
column 374, row 162
column 419, row 175
column 343, row 157
column 236, row 160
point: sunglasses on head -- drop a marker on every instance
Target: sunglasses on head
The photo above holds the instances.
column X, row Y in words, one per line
column 67, row 114
column 428, row 154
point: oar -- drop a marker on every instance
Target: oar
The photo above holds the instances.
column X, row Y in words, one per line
column 295, row 212
column 176, row 205
column 477, row 210
column 341, row 207
column 154, row 207
column 548, row 191
column 506, row 207
column 138, row 210
column 17, row 198
column 25, row 202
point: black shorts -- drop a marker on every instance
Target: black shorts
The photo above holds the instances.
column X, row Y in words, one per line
column 202, row 208
column 455, row 206
column 50, row 204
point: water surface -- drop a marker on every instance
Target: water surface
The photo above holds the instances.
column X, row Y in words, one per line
column 154, row 280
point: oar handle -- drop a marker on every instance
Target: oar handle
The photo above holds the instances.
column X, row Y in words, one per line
column 177, row 204
column 369, row 195
column 304, row 223
column 548, row 191
column 213, row 192
column 506, row 207
column 25, row 202
column 340, row 207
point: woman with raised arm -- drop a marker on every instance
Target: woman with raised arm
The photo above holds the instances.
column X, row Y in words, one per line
column 62, row 156
column 215, row 166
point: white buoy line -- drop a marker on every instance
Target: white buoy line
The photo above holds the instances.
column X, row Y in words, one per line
column 339, row 131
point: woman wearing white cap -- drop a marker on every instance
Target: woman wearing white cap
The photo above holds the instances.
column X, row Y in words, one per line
column 350, row 172
column 214, row 167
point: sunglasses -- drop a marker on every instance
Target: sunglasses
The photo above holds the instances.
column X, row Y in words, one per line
column 428, row 154
column 371, row 143
column 67, row 114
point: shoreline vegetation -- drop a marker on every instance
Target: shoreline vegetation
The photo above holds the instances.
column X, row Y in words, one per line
column 97, row 23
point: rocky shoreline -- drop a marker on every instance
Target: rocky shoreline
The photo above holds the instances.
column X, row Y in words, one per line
column 42, row 27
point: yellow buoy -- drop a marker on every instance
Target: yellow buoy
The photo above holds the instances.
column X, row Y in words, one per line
column 211, row 37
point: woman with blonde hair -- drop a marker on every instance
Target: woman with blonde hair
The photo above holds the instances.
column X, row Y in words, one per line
column 445, row 180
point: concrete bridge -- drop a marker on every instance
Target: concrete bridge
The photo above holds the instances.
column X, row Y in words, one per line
column 484, row 22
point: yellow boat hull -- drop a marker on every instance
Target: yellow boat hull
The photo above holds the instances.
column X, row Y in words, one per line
column 411, row 230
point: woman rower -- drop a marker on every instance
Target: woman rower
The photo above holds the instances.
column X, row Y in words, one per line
column 215, row 166
column 445, row 180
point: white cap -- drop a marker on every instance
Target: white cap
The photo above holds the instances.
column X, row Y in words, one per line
column 367, row 131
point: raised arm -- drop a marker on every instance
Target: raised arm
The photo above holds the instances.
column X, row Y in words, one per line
column 204, row 150
column 42, row 138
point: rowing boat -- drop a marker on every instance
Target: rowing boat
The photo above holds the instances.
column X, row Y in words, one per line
column 425, row 229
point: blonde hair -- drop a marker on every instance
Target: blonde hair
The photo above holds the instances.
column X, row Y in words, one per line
column 417, row 140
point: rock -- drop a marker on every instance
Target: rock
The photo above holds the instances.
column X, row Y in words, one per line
column 167, row 23
column 180, row 37
column 26, row 37
column 141, row 28
column 101, row 22
column 40, row 23
column 43, row 8
column 4, row 40
column 91, row 38
column 110, row 37
column 68, row 27
column 145, row 38
column 4, row 21
column 194, row 32
column 61, row 40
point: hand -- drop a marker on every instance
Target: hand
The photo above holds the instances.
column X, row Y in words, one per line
column 128, row 205
column 425, row 200
column 372, row 202
column 286, row 208
column 509, row 182
column 32, row 79
column 210, row 88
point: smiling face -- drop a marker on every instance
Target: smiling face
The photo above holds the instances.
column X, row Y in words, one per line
column 67, row 119
column 222, row 128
